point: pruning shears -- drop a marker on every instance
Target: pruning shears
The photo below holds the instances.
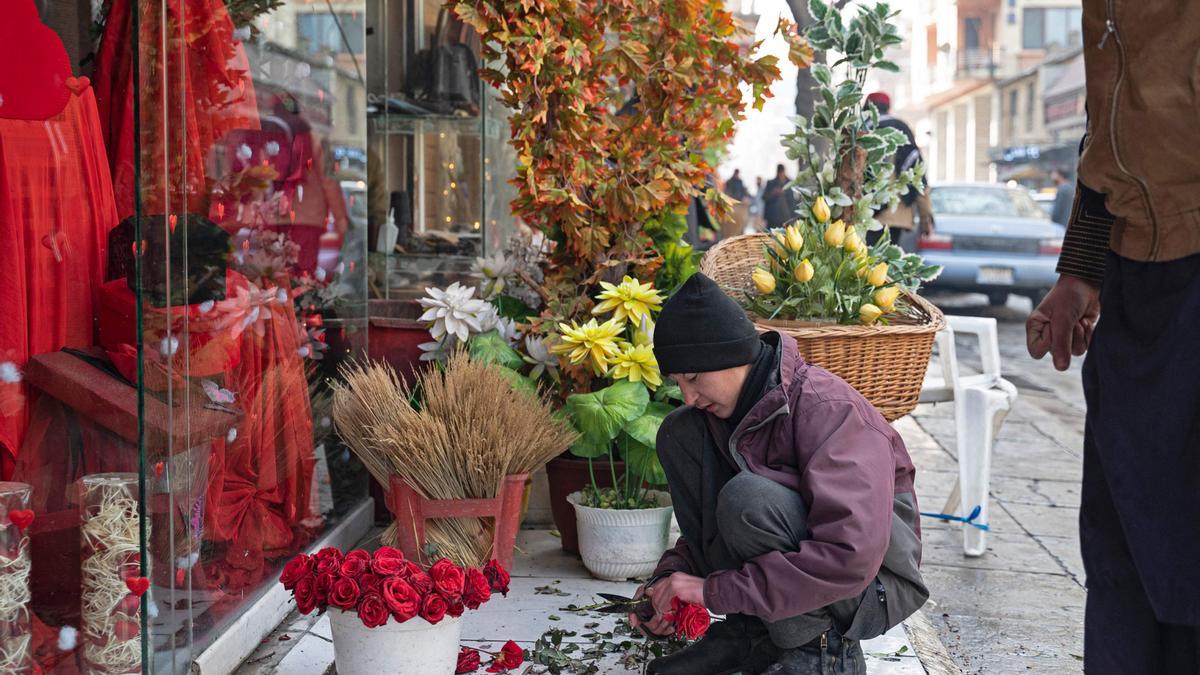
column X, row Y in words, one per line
column 641, row 607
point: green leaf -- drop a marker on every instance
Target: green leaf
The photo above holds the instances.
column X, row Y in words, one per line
column 669, row 391
column 509, row 307
column 818, row 9
column 490, row 347
column 888, row 66
column 600, row 415
column 642, row 460
column 644, row 429
column 519, row 382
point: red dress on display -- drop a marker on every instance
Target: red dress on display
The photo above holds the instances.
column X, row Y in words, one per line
column 56, row 208
column 209, row 92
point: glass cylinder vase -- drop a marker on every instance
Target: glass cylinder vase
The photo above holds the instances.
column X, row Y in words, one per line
column 111, row 571
column 16, row 655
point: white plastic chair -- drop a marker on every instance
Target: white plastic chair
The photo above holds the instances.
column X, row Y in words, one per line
column 981, row 402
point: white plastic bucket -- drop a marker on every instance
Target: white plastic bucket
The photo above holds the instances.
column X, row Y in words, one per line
column 415, row 647
column 617, row 544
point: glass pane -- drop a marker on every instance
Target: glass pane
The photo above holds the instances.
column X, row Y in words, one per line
column 1034, row 29
column 1056, row 28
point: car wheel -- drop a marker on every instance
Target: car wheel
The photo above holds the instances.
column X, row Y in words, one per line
column 997, row 298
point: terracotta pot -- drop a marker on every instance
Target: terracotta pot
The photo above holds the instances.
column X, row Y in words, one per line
column 566, row 474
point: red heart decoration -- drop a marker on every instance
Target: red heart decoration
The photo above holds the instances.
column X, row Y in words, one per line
column 137, row 585
column 21, row 518
column 180, row 576
column 158, row 469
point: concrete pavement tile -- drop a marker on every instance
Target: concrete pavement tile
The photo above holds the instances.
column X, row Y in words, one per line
column 321, row 628
column 1046, row 520
column 1006, row 552
column 1066, row 552
column 1036, row 468
column 312, row 655
column 1052, row 599
column 1036, row 492
column 540, row 554
column 987, row 645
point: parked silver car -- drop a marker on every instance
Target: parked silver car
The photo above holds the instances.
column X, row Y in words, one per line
column 991, row 239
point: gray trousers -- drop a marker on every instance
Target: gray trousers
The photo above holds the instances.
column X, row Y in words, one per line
column 729, row 516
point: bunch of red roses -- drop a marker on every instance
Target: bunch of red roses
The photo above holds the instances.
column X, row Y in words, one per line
column 385, row 584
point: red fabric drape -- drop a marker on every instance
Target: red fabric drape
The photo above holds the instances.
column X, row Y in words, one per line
column 192, row 95
column 56, row 208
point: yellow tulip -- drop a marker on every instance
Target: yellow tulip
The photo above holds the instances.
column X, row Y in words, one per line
column 820, row 210
column 854, row 243
column 835, row 234
column 885, row 298
column 804, row 271
column 878, row 275
column 764, row 281
column 869, row 314
column 794, row 240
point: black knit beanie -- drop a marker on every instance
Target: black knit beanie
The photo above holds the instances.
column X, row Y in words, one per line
column 700, row 329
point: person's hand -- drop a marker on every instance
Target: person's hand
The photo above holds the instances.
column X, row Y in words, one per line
column 656, row 626
column 679, row 585
column 1063, row 323
column 927, row 226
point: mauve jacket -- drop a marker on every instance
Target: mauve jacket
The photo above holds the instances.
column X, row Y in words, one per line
column 815, row 434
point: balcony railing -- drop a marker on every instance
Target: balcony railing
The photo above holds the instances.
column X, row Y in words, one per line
column 976, row 63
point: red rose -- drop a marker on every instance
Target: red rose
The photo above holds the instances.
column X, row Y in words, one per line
column 511, row 657
column 477, row 589
column 497, row 577
column 421, row 582
column 691, row 621
column 369, row 583
column 328, row 560
column 401, row 599
column 305, row 593
column 388, row 562
column 433, row 608
column 355, row 563
column 448, row 578
column 324, row 583
column 296, row 569
column 372, row 610
column 344, row 593
column 455, row 608
column 468, row 661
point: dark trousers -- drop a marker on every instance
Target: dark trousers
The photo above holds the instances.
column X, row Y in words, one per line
column 728, row 517
column 1140, row 510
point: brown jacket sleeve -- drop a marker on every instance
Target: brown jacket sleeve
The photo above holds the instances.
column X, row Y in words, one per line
column 1085, row 245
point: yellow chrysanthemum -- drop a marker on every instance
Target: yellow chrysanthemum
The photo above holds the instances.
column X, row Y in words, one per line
column 599, row 341
column 637, row 364
column 631, row 301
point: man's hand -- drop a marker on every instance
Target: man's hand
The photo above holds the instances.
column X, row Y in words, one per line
column 679, row 585
column 655, row 626
column 1063, row 323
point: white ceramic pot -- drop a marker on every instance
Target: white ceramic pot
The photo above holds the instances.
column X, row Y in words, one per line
column 617, row 544
column 415, row 647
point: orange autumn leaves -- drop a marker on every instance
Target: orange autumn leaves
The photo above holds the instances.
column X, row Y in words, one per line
column 614, row 104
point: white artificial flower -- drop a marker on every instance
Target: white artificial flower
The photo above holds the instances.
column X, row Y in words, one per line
column 494, row 272
column 454, row 311
column 539, row 356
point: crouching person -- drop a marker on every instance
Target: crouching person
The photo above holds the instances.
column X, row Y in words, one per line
column 793, row 495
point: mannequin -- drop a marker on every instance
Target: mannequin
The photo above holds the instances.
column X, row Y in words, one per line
column 56, row 208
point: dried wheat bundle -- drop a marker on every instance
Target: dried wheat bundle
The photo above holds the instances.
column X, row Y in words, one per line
column 468, row 430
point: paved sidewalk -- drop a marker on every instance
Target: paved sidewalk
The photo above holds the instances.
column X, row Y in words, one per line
column 1019, row 608
column 302, row 646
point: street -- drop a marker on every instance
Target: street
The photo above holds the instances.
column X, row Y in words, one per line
column 1019, row 608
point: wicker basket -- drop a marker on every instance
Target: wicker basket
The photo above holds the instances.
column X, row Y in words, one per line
column 886, row 364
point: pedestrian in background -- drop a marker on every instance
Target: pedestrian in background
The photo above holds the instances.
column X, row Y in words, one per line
column 914, row 206
column 1064, row 197
column 735, row 189
column 756, row 205
column 779, row 204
